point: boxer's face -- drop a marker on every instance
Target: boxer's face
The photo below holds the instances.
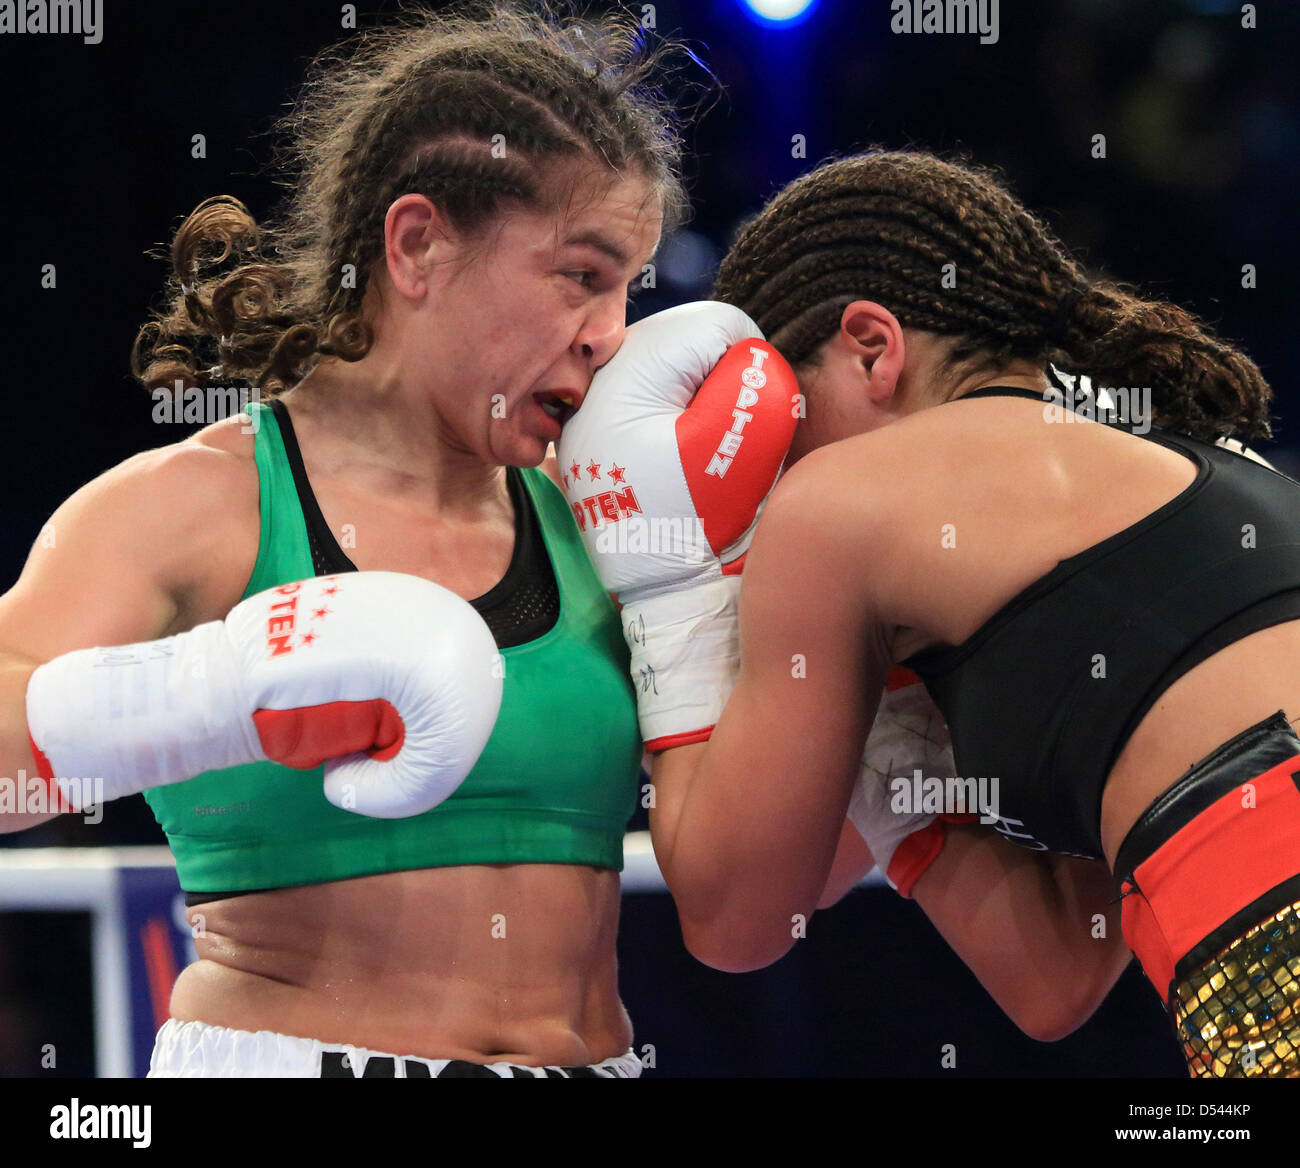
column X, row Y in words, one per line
column 518, row 319
column 830, row 408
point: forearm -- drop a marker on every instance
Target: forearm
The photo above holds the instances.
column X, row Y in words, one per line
column 672, row 774
column 1039, row 931
column 853, row 860
column 738, row 900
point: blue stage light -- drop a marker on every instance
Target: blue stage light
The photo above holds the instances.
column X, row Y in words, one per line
column 778, row 13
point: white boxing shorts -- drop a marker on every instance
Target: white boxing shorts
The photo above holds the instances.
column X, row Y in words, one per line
column 194, row 1050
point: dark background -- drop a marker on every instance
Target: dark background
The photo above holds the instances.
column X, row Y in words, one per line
column 1203, row 157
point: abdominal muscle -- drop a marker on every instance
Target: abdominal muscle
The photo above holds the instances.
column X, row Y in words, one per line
column 488, row 963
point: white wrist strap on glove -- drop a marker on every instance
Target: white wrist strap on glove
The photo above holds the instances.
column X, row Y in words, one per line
column 685, row 648
column 140, row 716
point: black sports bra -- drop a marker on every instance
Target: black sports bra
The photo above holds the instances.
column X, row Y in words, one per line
column 1045, row 694
column 521, row 607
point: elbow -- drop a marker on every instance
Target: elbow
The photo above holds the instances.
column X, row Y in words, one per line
column 729, row 949
column 1048, row 1025
column 837, row 889
column 1077, row 994
column 1055, row 1013
column 730, row 926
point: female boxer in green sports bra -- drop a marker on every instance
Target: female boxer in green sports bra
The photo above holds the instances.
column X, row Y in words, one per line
column 435, row 309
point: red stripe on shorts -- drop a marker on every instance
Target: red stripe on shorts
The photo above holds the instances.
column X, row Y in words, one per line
column 1241, row 846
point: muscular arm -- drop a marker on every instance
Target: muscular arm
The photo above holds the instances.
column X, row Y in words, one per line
column 1038, row 930
column 121, row 562
column 745, row 826
column 749, row 827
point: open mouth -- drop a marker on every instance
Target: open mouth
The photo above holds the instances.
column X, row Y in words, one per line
column 560, row 405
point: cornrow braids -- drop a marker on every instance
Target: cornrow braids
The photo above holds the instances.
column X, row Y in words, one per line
column 414, row 106
column 882, row 226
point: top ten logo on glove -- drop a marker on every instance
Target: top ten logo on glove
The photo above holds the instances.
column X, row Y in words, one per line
column 678, row 436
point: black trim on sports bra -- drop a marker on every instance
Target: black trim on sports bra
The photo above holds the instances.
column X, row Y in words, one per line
column 522, row 606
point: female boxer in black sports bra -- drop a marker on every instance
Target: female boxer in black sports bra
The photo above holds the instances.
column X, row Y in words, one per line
column 1108, row 615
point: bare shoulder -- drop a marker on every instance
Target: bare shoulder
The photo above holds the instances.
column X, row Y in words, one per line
column 928, row 458
column 862, row 516
column 212, row 481
column 851, row 489
column 233, row 436
column 161, row 541
column 828, row 520
column 870, row 457
column 217, row 455
column 184, row 484
column 205, row 482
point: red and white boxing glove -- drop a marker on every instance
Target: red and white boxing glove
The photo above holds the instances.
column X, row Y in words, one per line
column 390, row 680
column 909, row 734
column 666, row 465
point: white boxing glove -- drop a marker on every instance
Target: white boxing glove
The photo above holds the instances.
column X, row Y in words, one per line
column 666, row 465
column 392, row 679
column 909, row 734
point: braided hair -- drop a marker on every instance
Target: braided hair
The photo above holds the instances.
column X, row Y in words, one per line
column 883, row 225
column 412, row 107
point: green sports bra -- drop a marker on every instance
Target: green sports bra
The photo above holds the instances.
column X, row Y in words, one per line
column 556, row 782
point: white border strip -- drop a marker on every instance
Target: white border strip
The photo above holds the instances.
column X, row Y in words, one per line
column 88, row 880
column 54, row 878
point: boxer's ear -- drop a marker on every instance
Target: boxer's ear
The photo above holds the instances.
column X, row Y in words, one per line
column 417, row 238
column 874, row 338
